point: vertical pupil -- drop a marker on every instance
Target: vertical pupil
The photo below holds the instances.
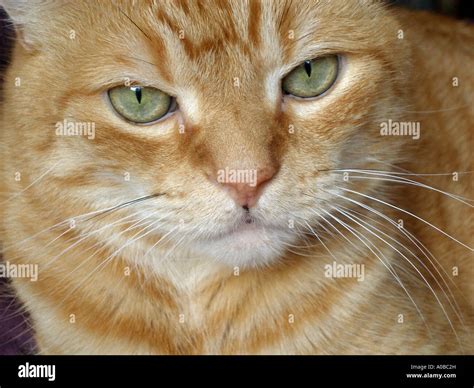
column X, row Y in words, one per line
column 138, row 93
column 307, row 67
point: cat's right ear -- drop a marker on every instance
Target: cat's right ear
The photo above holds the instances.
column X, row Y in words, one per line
column 26, row 19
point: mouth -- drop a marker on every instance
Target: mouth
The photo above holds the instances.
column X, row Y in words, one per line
column 248, row 228
column 248, row 242
column 246, row 232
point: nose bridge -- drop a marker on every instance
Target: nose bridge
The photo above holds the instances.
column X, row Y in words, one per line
column 242, row 160
column 239, row 147
column 242, row 139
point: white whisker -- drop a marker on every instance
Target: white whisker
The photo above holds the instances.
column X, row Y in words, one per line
column 409, row 262
column 409, row 213
column 386, row 263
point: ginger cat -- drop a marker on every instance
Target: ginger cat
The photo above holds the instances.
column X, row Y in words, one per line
column 240, row 177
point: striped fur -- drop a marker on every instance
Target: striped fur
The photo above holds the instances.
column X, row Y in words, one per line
column 195, row 291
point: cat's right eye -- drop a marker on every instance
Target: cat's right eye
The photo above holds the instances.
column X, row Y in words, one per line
column 139, row 104
column 312, row 78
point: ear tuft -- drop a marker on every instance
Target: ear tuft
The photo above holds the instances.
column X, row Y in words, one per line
column 24, row 17
column 17, row 10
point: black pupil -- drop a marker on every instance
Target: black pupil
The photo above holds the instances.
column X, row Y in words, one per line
column 138, row 94
column 307, row 67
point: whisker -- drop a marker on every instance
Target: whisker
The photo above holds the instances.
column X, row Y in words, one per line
column 399, row 179
column 127, row 203
column 409, row 213
column 85, row 236
column 31, row 184
column 403, row 172
column 386, row 263
column 135, row 24
column 413, row 240
column 139, row 222
column 418, row 259
column 110, row 258
column 159, row 240
column 94, row 214
column 408, row 261
column 321, row 241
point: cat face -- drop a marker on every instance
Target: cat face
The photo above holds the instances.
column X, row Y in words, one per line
column 237, row 165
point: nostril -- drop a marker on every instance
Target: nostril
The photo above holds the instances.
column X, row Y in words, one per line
column 246, row 208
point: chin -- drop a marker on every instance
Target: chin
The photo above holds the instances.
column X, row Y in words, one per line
column 249, row 246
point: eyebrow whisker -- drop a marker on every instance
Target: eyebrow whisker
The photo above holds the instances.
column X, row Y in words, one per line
column 135, row 24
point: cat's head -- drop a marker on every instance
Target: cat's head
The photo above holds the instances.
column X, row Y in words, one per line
column 235, row 114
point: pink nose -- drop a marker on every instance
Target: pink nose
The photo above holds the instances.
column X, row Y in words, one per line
column 246, row 192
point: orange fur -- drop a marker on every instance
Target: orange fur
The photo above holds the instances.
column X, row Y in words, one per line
column 185, row 296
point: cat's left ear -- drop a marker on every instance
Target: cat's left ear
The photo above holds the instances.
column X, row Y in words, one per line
column 25, row 15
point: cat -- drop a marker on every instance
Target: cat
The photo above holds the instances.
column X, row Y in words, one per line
column 239, row 177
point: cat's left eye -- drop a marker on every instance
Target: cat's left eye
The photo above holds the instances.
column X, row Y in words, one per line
column 312, row 78
column 139, row 104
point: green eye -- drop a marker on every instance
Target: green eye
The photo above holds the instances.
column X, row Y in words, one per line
column 140, row 104
column 312, row 78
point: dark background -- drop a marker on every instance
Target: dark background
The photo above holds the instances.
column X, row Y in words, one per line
column 462, row 9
